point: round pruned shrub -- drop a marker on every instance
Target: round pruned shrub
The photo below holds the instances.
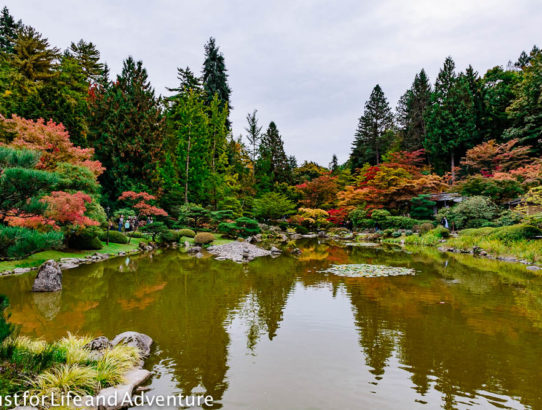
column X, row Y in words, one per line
column 425, row 227
column 204, row 238
column 114, row 237
column 189, row 233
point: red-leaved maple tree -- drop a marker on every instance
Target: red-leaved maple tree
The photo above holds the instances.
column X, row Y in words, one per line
column 140, row 201
column 68, row 209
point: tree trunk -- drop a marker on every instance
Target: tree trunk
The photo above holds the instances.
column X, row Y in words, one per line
column 452, row 161
column 187, row 167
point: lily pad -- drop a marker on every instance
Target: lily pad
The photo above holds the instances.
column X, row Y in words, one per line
column 368, row 271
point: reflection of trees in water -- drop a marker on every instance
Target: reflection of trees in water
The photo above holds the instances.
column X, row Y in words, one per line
column 462, row 337
column 480, row 338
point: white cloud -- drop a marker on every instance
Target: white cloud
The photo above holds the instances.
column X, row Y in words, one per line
column 308, row 65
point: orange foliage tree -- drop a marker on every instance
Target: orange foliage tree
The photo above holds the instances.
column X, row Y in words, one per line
column 68, row 209
column 490, row 157
column 52, row 140
column 318, row 193
column 140, row 201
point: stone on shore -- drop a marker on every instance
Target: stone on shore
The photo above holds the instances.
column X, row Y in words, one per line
column 115, row 396
column 238, row 251
column 139, row 340
column 49, row 278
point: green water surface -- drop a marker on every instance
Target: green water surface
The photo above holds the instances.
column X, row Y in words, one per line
column 277, row 334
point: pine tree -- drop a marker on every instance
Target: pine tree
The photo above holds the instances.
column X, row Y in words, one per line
column 8, row 31
column 33, row 57
column 215, row 77
column 253, row 134
column 88, row 57
column 187, row 81
column 450, row 118
column 372, row 138
column 526, row 109
column 334, row 164
column 127, row 128
column 411, row 113
column 272, row 166
column 475, row 86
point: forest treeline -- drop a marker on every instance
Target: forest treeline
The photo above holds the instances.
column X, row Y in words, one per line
column 74, row 140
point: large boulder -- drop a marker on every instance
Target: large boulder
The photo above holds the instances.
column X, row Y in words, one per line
column 139, row 340
column 100, row 343
column 49, row 278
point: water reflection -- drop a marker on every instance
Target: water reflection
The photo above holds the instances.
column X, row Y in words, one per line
column 462, row 332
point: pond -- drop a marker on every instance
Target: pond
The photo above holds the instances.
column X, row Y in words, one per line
column 277, row 333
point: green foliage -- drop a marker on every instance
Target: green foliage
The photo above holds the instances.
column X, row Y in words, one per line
column 17, row 242
column 380, row 215
column 231, row 204
column 499, row 191
column 422, row 207
column 155, row 229
column 516, row 233
column 6, row 329
column 189, row 233
column 242, row 227
column 425, row 227
column 399, row 222
column 508, row 218
column 204, row 238
column 273, row 166
column 473, row 212
column 273, row 205
column 357, row 216
column 114, row 237
column 169, row 236
column 85, row 239
column 373, row 135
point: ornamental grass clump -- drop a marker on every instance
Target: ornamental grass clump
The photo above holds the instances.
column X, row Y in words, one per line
column 74, row 378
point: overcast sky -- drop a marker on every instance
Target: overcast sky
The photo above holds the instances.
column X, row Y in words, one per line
column 308, row 65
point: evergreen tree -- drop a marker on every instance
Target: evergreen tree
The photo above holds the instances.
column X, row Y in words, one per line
column 8, row 31
column 372, row 138
column 187, row 81
column 272, row 166
column 88, row 57
column 411, row 113
column 215, row 77
column 450, row 118
column 33, row 57
column 526, row 109
column 334, row 164
column 254, row 131
column 217, row 134
column 475, row 87
column 127, row 129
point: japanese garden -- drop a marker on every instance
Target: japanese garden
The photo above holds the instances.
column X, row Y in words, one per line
column 146, row 247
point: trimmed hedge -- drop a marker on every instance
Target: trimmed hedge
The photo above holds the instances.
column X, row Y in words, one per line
column 17, row 242
column 114, row 237
column 241, row 227
column 189, row 233
column 203, row 238
column 516, row 233
column 169, row 236
column 85, row 240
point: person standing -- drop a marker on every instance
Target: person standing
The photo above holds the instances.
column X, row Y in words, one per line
column 121, row 222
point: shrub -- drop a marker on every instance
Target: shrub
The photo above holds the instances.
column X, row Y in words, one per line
column 114, row 237
column 399, row 222
column 425, row 227
column 86, row 239
column 301, row 230
column 357, row 216
column 473, row 212
column 440, row 232
column 515, row 233
column 155, row 229
column 422, row 207
column 18, row 242
column 273, row 205
column 6, row 329
column 408, row 232
column 189, row 233
column 169, row 236
column 136, row 234
column 203, row 238
column 380, row 215
column 241, row 227
column 508, row 218
column 396, row 234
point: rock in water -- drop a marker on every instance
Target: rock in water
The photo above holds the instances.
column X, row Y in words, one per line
column 100, row 343
column 139, row 340
column 49, row 278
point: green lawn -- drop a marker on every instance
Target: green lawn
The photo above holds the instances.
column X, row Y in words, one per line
column 40, row 257
column 219, row 240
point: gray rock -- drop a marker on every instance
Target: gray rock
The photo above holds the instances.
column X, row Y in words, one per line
column 139, row 340
column 64, row 266
column 275, row 250
column 238, row 251
column 114, row 396
column 49, row 278
column 309, row 236
column 257, row 238
column 282, row 238
column 322, row 234
column 20, row 271
column 100, row 343
column 194, row 249
column 534, row 268
column 199, row 255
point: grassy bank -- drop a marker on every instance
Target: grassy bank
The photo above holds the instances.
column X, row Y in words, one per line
column 40, row 257
column 516, row 241
column 61, row 367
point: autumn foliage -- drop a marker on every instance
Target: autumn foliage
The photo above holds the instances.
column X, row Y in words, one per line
column 140, row 201
column 53, row 141
column 69, row 209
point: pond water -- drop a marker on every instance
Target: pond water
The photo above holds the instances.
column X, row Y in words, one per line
column 276, row 333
